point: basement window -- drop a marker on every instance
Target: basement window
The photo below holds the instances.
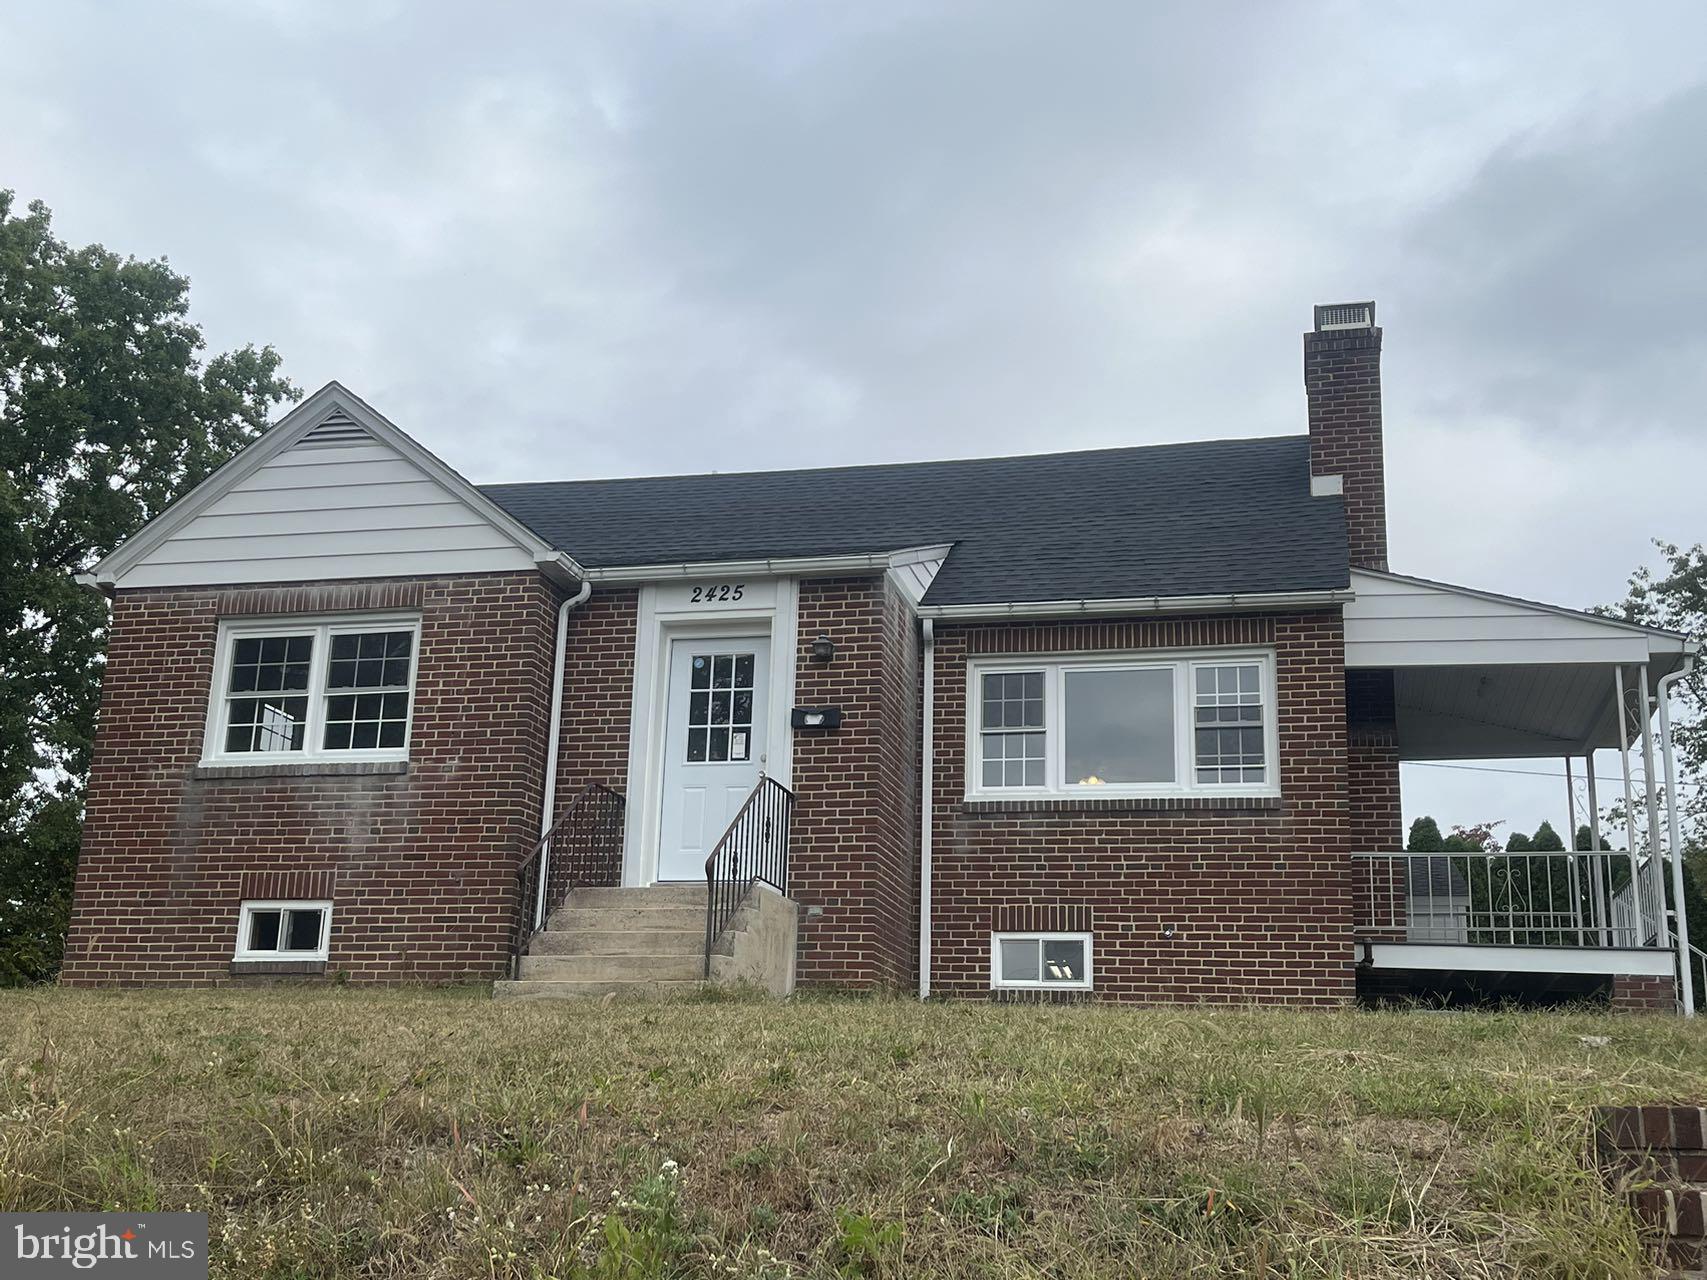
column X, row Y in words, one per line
column 283, row 930
column 1041, row 961
column 306, row 689
column 1109, row 727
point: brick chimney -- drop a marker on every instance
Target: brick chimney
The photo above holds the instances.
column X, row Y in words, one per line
column 1342, row 383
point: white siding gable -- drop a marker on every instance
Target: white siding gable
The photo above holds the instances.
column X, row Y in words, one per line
column 1407, row 622
column 339, row 500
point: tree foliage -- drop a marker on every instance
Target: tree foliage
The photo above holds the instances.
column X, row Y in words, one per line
column 1425, row 837
column 1675, row 597
column 108, row 411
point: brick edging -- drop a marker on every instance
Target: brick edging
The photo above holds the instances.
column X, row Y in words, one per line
column 1657, row 1157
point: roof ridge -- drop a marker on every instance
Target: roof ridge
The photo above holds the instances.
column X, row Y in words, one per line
column 902, row 466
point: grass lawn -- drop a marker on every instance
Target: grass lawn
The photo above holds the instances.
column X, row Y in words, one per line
column 437, row 1133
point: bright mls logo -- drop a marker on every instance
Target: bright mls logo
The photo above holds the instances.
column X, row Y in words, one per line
column 146, row 1246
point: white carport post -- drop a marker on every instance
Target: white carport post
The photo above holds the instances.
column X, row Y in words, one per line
column 1629, row 808
column 1571, row 867
column 1597, row 860
column 1656, row 855
column 1686, row 971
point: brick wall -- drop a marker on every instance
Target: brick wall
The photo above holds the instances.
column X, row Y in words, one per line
column 1657, row 1157
column 1256, row 894
column 598, row 693
column 1379, row 889
column 1342, row 384
column 1643, row 993
column 854, row 847
column 419, row 864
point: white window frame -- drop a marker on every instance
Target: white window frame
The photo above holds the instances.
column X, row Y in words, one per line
column 1184, row 664
column 324, row 906
column 1000, row 983
column 322, row 629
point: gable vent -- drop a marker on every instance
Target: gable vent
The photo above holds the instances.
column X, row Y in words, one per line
column 1345, row 315
column 336, row 432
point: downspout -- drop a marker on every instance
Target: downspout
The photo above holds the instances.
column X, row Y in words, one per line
column 1663, row 692
column 555, row 736
column 927, row 774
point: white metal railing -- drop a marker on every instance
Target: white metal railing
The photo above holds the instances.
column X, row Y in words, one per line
column 1641, row 917
column 1526, row 899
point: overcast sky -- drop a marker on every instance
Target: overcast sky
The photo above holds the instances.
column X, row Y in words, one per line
column 567, row 240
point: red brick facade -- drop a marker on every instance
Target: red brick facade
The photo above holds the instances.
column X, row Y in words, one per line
column 1188, row 900
column 1342, row 383
column 419, row 864
column 854, row 848
column 598, row 693
column 1643, row 993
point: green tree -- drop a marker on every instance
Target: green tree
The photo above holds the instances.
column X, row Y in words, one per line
column 1519, row 843
column 1585, row 840
column 1425, row 837
column 1675, row 598
column 108, row 411
column 1545, row 840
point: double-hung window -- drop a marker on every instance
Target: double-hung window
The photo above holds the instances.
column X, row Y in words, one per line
column 1136, row 725
column 296, row 689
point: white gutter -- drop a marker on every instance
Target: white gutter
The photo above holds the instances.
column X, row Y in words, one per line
column 851, row 562
column 1663, row 692
column 1138, row 604
column 927, row 773
column 554, row 737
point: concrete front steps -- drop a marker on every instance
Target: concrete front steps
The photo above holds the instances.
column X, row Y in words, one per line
column 650, row 941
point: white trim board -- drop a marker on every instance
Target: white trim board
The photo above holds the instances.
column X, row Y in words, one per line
column 332, row 491
column 1639, row 961
column 1254, row 601
column 769, row 606
column 1395, row 621
column 768, row 566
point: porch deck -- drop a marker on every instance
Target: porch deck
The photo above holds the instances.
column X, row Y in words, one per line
column 1538, row 913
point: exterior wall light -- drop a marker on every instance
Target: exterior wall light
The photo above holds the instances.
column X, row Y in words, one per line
column 823, row 649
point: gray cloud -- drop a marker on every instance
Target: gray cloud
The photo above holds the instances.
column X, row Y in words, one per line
column 628, row 238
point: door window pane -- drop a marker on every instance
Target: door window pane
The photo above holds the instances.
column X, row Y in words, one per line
column 1119, row 726
column 720, row 713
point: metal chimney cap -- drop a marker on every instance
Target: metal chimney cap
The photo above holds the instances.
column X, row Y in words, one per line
column 1345, row 315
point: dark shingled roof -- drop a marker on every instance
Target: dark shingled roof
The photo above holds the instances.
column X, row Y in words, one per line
column 1162, row 520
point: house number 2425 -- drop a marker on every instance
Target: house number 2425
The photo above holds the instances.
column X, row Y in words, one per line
column 718, row 593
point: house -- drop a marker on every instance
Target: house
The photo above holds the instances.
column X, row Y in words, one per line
column 1124, row 723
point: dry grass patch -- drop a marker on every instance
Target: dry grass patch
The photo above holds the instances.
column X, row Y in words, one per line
column 433, row 1133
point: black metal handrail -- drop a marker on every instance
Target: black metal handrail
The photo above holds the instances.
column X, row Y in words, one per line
column 583, row 847
column 754, row 848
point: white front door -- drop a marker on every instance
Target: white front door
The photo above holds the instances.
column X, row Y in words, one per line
column 714, row 745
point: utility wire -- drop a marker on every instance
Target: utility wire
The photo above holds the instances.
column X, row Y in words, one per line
column 1536, row 773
